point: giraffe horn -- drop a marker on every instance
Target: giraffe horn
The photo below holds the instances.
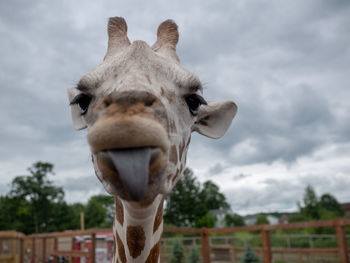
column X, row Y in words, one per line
column 117, row 35
column 167, row 38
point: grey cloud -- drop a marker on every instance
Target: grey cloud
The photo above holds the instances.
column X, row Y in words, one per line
column 275, row 196
column 240, row 176
column 216, row 169
column 82, row 184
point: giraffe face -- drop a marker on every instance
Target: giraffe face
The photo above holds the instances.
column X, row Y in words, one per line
column 140, row 107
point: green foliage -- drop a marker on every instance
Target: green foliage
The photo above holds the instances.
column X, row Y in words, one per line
column 35, row 204
column 15, row 215
column 189, row 202
column 311, row 204
column 99, row 211
column 330, row 208
column 208, row 220
column 234, row 220
column 211, row 198
column 250, row 256
column 194, row 256
column 324, row 243
column 177, row 253
column 261, row 220
column 314, row 208
column 39, row 192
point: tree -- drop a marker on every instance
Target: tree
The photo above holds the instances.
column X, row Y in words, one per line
column 211, row 198
column 181, row 203
column 177, row 253
column 208, row 220
column 99, row 211
column 330, row 207
column 311, row 205
column 15, row 215
column 39, row 192
column 261, row 220
column 234, row 220
column 250, row 256
column 190, row 203
column 194, row 256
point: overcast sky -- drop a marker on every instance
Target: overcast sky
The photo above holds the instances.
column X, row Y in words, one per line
column 285, row 63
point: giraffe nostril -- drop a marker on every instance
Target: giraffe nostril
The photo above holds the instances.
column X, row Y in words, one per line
column 106, row 102
column 149, row 102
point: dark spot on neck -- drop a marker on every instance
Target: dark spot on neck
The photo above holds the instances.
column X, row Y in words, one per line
column 121, row 249
column 154, row 254
column 119, row 211
column 135, row 238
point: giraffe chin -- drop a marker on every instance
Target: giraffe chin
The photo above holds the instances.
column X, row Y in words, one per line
column 132, row 173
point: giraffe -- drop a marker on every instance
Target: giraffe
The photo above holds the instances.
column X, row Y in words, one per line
column 140, row 107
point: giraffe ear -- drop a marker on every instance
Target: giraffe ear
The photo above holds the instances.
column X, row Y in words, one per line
column 79, row 122
column 215, row 118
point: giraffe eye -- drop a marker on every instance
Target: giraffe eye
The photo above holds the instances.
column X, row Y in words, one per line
column 83, row 100
column 194, row 101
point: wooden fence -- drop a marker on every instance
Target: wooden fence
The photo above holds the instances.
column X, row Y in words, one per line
column 42, row 240
column 11, row 243
column 266, row 250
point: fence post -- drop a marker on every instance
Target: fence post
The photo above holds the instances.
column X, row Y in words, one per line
column 93, row 247
column 72, row 259
column 266, row 246
column 55, row 249
column 205, row 245
column 341, row 241
column 44, row 250
column 33, row 251
column 22, row 249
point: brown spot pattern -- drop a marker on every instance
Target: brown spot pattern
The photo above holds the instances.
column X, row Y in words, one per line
column 173, row 154
column 135, row 238
column 188, row 142
column 121, row 250
column 176, row 176
column 169, row 95
column 172, row 127
column 148, row 79
column 159, row 216
column 119, row 211
column 154, row 254
column 181, row 149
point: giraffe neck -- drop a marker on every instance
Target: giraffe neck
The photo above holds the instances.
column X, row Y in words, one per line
column 137, row 231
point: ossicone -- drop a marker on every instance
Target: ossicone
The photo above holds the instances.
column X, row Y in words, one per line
column 167, row 38
column 117, row 35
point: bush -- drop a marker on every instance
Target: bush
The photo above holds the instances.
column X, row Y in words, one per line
column 250, row 256
column 178, row 253
column 194, row 256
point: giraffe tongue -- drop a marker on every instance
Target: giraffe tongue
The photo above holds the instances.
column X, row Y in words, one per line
column 132, row 165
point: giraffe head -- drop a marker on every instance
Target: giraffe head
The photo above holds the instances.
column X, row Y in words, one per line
column 140, row 107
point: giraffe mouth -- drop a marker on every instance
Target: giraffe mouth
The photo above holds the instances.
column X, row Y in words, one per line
column 133, row 167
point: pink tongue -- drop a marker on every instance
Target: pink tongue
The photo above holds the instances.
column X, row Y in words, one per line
column 132, row 165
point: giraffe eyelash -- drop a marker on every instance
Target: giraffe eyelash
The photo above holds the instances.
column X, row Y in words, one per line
column 83, row 100
column 193, row 102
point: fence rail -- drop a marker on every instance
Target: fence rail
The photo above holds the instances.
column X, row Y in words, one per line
column 339, row 224
column 208, row 248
